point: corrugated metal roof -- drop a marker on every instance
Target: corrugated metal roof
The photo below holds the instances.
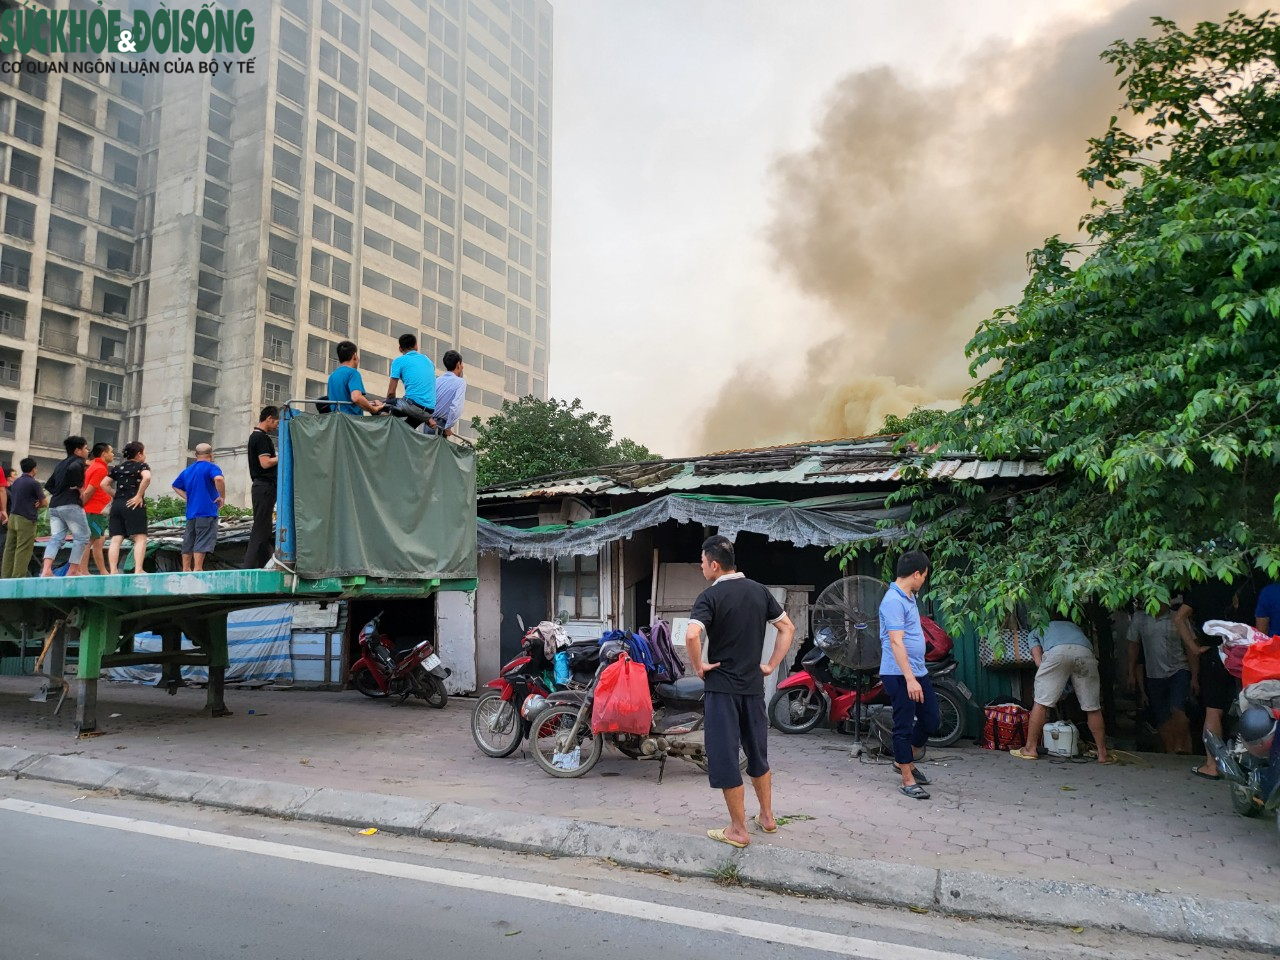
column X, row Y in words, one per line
column 837, row 462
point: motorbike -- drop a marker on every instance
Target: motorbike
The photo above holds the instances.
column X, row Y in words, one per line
column 380, row 673
column 1248, row 763
column 498, row 725
column 564, row 745
column 824, row 692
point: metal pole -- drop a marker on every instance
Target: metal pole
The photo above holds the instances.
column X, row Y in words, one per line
column 286, row 539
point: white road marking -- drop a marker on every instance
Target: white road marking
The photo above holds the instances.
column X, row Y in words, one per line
column 564, row 896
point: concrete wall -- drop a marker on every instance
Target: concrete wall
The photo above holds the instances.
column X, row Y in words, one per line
column 488, row 618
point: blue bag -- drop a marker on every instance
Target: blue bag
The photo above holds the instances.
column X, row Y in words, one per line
column 563, row 671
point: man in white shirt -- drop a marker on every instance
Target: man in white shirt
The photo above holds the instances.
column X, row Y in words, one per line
column 451, row 393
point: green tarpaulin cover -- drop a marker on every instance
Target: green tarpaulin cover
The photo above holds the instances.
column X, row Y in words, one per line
column 374, row 498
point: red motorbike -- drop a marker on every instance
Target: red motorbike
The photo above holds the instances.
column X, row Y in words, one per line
column 380, row 672
column 497, row 722
column 824, row 691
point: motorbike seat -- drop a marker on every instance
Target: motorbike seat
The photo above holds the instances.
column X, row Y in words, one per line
column 686, row 688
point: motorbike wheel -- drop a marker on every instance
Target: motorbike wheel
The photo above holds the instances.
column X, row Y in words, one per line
column 550, row 730
column 434, row 691
column 951, row 706
column 364, row 681
column 796, row 710
column 1242, row 801
column 495, row 725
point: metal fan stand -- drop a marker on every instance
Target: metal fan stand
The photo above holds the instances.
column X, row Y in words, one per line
column 861, row 683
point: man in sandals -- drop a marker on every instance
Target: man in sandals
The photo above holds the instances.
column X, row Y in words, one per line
column 734, row 612
column 902, row 671
column 1064, row 653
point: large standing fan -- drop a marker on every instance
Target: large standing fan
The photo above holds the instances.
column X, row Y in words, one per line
column 846, row 626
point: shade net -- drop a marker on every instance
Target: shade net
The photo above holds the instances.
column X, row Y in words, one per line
column 373, row 497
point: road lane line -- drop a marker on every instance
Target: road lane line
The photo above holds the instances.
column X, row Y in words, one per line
column 564, row 896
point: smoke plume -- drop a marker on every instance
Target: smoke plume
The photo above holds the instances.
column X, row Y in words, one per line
column 910, row 218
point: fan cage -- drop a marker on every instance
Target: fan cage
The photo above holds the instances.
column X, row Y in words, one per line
column 858, row 649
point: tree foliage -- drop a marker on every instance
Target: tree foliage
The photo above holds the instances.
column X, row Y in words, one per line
column 1140, row 364
column 919, row 417
column 533, row 437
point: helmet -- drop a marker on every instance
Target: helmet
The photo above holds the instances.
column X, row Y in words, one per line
column 1256, row 725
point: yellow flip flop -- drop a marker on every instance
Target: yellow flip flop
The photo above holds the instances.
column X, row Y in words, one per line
column 756, row 821
column 719, row 835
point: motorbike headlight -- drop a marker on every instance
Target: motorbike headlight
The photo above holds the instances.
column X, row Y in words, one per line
column 532, row 704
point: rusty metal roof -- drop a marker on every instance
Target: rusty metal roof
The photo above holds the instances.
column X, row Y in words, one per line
column 861, row 461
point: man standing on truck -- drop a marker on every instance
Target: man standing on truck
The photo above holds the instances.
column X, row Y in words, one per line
column 66, row 508
column 203, row 488
column 97, row 495
column 418, row 375
column 262, row 489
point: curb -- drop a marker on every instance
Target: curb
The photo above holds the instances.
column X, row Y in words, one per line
column 1193, row 920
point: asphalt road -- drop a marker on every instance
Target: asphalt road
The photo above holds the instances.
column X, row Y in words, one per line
column 110, row 878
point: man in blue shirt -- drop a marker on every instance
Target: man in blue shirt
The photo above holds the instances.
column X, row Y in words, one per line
column 203, row 488
column 451, row 393
column 418, row 375
column 1266, row 615
column 346, row 386
column 902, row 671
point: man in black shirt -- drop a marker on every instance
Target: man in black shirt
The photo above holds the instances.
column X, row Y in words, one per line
column 262, row 473
column 1210, row 683
column 66, row 508
column 734, row 612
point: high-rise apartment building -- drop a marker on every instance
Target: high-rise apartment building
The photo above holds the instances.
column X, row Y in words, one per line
column 177, row 251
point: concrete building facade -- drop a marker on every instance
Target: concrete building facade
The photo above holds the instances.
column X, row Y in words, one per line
column 178, row 251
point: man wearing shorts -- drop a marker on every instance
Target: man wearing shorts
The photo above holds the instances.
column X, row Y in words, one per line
column 97, row 502
column 128, row 515
column 734, row 612
column 1064, row 653
column 1210, row 683
column 202, row 486
column 1165, row 676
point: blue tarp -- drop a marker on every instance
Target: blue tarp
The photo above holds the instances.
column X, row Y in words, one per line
column 257, row 648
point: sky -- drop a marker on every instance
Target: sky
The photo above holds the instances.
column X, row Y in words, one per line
column 773, row 226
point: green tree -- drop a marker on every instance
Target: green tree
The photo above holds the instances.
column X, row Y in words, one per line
column 533, row 437
column 628, row 451
column 917, row 418
column 1140, row 364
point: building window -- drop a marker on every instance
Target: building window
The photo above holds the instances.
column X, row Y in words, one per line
column 578, row 588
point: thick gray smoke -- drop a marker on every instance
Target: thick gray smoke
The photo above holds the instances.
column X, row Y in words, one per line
column 911, row 216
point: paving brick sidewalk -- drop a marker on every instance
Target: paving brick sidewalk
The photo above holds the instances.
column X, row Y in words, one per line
column 1146, row 825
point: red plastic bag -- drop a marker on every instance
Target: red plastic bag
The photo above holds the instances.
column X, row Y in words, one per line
column 937, row 643
column 622, row 703
column 1261, row 662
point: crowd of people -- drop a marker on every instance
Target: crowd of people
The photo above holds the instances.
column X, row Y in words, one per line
column 92, row 496
column 98, row 499
column 431, row 404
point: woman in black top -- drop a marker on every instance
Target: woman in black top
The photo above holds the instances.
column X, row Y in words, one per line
column 131, row 476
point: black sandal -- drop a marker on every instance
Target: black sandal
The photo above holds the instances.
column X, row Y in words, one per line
column 915, row 792
column 920, row 777
column 1197, row 772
